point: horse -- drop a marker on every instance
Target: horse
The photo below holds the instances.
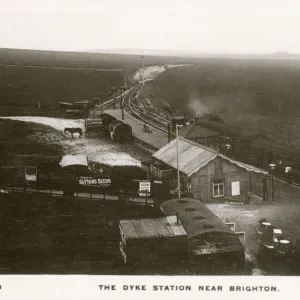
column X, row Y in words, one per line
column 74, row 130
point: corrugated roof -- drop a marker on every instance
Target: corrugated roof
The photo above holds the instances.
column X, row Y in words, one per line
column 70, row 160
column 151, row 228
column 195, row 130
column 193, row 157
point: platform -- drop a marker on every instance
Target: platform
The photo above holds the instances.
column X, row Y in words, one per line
column 154, row 140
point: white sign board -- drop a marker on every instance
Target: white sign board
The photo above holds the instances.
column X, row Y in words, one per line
column 31, row 173
column 235, row 188
column 144, row 187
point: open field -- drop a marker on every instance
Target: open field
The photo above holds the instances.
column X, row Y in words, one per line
column 54, row 236
column 24, row 87
column 258, row 94
column 45, row 235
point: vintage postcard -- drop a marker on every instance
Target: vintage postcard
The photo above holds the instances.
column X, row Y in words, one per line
column 149, row 149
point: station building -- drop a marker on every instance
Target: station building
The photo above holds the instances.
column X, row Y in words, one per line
column 210, row 175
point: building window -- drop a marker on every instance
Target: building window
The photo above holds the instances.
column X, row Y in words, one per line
column 218, row 188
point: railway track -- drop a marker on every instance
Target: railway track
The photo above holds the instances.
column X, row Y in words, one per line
column 154, row 120
column 107, row 104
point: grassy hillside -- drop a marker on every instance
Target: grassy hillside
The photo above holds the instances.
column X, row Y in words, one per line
column 23, row 143
column 258, row 94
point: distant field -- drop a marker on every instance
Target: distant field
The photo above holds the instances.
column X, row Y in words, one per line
column 87, row 60
column 25, row 87
column 29, row 78
column 258, row 94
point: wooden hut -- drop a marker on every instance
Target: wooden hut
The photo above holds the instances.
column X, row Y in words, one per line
column 154, row 241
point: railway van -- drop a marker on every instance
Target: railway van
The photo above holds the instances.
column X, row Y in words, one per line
column 106, row 119
column 120, row 131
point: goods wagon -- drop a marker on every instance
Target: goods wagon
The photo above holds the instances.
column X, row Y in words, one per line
column 120, row 131
column 93, row 125
column 63, row 106
column 210, row 241
column 86, row 103
column 106, row 119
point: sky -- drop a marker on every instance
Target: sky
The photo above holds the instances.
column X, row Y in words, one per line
column 206, row 26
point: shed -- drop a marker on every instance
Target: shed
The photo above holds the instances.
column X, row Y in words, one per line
column 74, row 160
column 212, row 176
column 200, row 134
column 75, row 164
column 153, row 241
column 207, row 235
column 72, row 165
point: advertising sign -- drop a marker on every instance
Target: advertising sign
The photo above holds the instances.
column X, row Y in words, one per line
column 144, row 188
column 30, row 173
column 235, row 188
column 92, row 181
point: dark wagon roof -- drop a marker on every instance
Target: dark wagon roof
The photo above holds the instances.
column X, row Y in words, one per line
column 123, row 125
column 115, row 123
column 195, row 217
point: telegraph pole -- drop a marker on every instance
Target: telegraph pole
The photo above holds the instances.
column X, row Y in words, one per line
column 178, row 178
column 122, row 107
column 142, row 58
column 125, row 78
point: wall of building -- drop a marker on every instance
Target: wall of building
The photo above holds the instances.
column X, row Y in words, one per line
column 156, row 251
column 220, row 169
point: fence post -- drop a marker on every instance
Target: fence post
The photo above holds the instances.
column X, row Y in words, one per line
column 50, row 183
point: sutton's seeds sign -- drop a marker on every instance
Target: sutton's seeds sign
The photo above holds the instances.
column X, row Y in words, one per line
column 90, row 181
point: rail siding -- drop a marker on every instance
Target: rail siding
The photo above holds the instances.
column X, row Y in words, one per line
column 157, row 139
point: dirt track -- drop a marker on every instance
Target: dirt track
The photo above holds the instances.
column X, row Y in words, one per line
column 283, row 213
column 97, row 148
